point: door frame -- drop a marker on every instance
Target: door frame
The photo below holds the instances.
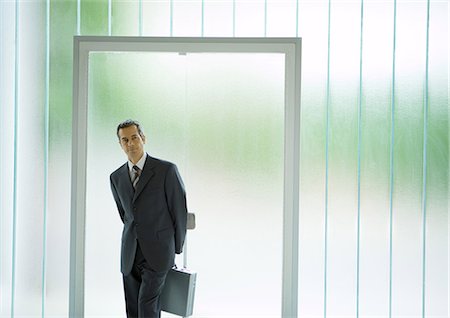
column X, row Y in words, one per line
column 290, row 47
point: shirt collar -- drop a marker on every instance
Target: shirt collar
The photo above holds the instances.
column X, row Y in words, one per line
column 140, row 163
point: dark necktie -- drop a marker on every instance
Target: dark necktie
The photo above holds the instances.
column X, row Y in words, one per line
column 137, row 173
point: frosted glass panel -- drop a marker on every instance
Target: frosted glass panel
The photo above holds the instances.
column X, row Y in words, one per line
column 312, row 26
column 63, row 25
column 220, row 118
column 249, row 18
column 389, row 84
column 94, row 17
column 21, row 162
column 218, row 18
column 156, row 18
column 437, row 274
column 281, row 20
column 7, row 76
column 186, row 18
column 375, row 146
column 408, row 160
column 342, row 174
column 125, row 17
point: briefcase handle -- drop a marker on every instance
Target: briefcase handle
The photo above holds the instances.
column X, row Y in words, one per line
column 190, row 225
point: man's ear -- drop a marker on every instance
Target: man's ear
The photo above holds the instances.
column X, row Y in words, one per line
column 143, row 138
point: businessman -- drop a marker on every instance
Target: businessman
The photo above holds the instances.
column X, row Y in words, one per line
column 150, row 197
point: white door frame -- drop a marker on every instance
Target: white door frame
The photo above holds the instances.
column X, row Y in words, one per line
column 290, row 47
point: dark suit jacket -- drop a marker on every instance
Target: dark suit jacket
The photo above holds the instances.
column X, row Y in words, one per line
column 154, row 214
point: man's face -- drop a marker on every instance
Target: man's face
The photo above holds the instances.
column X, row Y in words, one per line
column 132, row 143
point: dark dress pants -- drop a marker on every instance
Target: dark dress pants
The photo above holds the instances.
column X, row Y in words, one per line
column 143, row 286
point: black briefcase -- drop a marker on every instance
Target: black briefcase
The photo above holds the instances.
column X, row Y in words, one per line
column 178, row 293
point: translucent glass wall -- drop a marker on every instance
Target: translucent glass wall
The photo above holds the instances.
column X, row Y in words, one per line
column 22, row 145
column 374, row 143
column 368, row 196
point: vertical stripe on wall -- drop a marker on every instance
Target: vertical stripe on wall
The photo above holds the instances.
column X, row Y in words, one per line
column 265, row 18
column 140, row 18
column 391, row 161
column 202, row 32
column 234, row 18
column 327, row 142
column 109, row 17
column 15, row 188
column 78, row 17
column 424, row 167
column 358, row 168
column 46, row 154
column 296, row 18
column 171, row 18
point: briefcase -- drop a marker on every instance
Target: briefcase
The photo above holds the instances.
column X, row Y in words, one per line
column 178, row 293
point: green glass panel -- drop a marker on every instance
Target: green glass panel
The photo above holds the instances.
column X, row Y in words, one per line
column 125, row 17
column 94, row 17
column 63, row 26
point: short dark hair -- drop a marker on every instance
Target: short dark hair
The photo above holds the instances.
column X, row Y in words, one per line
column 129, row 123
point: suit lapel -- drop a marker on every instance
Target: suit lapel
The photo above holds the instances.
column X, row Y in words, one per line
column 125, row 175
column 144, row 178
